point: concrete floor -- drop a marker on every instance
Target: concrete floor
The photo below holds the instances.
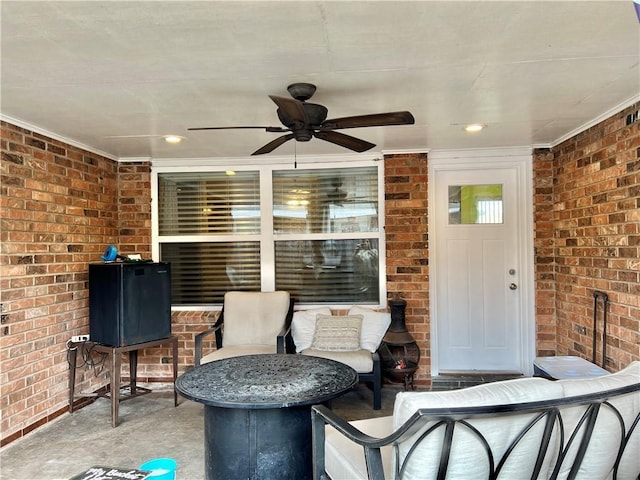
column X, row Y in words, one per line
column 150, row 427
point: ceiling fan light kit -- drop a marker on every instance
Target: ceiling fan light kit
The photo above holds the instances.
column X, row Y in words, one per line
column 305, row 120
column 301, row 91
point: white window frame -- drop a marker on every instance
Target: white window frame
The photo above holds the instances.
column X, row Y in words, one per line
column 266, row 236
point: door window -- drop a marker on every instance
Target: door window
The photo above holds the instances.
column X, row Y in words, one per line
column 475, row 204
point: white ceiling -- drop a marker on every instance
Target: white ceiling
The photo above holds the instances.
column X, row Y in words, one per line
column 533, row 71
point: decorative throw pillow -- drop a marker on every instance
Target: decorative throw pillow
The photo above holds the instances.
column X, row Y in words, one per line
column 337, row 334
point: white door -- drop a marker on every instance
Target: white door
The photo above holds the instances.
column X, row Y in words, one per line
column 481, row 275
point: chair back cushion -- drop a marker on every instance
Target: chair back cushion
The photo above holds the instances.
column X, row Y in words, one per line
column 303, row 326
column 600, row 457
column 254, row 317
column 374, row 326
column 468, row 456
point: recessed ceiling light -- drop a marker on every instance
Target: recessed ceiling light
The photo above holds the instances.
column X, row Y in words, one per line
column 230, row 172
column 473, row 127
column 173, row 139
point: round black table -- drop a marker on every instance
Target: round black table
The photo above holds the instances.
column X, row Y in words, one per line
column 258, row 412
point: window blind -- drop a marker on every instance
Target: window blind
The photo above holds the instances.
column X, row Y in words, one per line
column 319, row 218
column 320, row 242
column 211, row 203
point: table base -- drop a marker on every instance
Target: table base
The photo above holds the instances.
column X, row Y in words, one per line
column 258, row 444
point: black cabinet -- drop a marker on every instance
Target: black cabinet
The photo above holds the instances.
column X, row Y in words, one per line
column 129, row 303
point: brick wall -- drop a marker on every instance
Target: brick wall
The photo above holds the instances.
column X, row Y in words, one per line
column 60, row 206
column 544, row 252
column 134, row 208
column 597, row 229
column 58, row 211
column 406, row 232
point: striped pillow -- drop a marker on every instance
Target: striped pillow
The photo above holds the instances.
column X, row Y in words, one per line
column 337, row 334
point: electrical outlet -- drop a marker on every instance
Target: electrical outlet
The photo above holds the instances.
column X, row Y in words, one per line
column 80, row 338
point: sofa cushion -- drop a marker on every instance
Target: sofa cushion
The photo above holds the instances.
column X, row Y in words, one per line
column 344, row 459
column 600, row 457
column 374, row 326
column 303, row 326
column 337, row 334
column 359, row 360
column 468, row 456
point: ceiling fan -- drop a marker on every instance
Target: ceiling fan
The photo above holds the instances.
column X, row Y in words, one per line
column 302, row 121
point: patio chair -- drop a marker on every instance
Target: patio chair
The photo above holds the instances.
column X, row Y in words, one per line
column 353, row 339
column 513, row 429
column 250, row 323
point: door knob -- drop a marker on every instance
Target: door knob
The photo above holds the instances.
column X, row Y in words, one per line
column 513, row 286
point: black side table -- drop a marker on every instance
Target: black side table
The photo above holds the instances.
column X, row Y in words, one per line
column 258, row 412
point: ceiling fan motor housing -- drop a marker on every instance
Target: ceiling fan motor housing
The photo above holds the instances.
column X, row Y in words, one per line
column 303, row 132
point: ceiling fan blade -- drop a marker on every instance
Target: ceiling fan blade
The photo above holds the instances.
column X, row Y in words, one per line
column 373, row 120
column 292, row 108
column 347, row 141
column 266, row 129
column 272, row 145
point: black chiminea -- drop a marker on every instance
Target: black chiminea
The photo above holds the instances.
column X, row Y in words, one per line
column 399, row 351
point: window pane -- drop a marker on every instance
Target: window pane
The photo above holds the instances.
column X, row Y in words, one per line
column 202, row 272
column 326, row 201
column 475, row 204
column 208, row 203
column 328, row 271
column 325, row 224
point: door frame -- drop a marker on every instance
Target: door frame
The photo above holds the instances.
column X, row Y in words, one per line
column 521, row 159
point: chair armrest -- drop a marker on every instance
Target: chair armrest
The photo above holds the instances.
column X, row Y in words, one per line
column 284, row 341
column 375, row 356
column 321, row 416
column 200, row 337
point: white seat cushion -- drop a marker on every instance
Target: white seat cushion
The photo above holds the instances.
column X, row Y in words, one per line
column 600, row 456
column 236, row 351
column 468, row 458
column 344, row 459
column 359, row 360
